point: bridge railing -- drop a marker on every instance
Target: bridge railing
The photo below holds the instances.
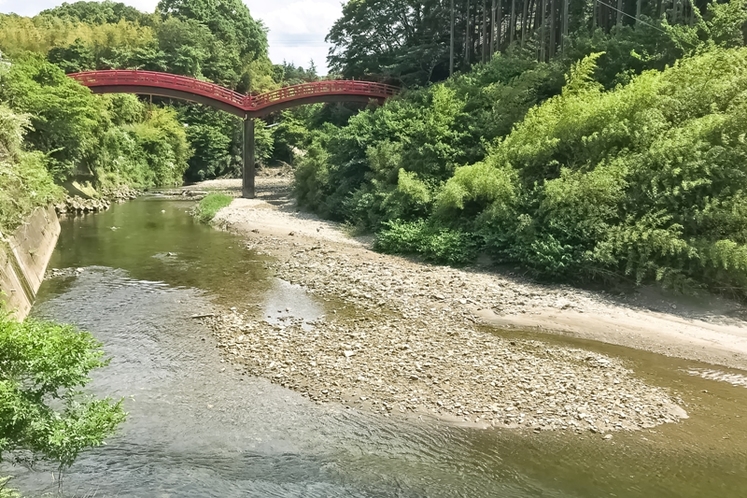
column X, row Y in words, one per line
column 160, row 80
column 240, row 101
column 336, row 87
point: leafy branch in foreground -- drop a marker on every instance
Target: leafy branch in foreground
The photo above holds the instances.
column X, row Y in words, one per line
column 44, row 413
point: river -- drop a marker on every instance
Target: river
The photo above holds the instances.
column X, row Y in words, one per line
column 197, row 427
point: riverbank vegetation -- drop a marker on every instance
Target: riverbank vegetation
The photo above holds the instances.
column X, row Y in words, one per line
column 591, row 155
column 191, row 38
column 620, row 160
column 209, row 206
column 44, row 414
column 5, row 491
column 54, row 131
column 26, row 183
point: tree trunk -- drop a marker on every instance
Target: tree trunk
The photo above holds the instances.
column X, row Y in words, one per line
column 466, row 38
column 543, row 30
column 492, row 27
column 451, row 41
column 551, row 47
column 484, row 31
column 563, row 40
column 595, row 15
column 499, row 24
column 524, row 22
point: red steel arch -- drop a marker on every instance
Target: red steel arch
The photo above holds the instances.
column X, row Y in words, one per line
column 246, row 106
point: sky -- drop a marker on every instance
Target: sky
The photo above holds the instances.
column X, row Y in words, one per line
column 296, row 27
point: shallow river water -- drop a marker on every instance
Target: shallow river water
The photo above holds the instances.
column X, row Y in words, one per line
column 199, row 428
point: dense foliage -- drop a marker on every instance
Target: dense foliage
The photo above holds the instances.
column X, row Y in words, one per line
column 409, row 41
column 393, row 39
column 387, row 163
column 647, row 180
column 95, row 12
column 630, row 166
column 26, row 183
column 199, row 38
column 44, row 414
column 110, row 140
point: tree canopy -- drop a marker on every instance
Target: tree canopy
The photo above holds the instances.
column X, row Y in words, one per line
column 229, row 20
column 391, row 40
column 106, row 12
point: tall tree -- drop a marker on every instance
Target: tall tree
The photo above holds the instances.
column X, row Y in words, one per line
column 394, row 39
column 229, row 20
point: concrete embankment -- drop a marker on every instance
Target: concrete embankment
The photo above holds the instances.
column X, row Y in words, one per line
column 24, row 255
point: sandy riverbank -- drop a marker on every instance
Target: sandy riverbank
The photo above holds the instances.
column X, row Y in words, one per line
column 410, row 337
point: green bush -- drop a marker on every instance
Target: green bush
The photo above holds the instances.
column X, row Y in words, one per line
column 433, row 243
column 209, row 206
column 5, row 491
column 632, row 167
column 65, row 116
column 109, row 140
column 387, row 163
column 646, row 180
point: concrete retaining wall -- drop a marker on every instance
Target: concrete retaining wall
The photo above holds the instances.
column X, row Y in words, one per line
column 23, row 260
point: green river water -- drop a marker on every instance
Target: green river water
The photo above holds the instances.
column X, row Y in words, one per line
column 197, row 428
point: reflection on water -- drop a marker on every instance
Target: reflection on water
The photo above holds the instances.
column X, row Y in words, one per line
column 289, row 302
column 198, row 427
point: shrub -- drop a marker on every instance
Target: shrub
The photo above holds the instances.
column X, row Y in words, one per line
column 25, row 183
column 433, row 243
column 646, row 180
column 209, row 206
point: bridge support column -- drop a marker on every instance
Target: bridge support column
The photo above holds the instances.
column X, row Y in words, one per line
column 247, row 189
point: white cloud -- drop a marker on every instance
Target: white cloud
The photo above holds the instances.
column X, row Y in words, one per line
column 296, row 28
column 304, row 17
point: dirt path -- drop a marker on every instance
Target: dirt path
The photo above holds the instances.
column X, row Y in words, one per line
column 409, row 338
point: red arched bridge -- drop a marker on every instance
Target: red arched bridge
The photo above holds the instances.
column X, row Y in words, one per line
column 247, row 107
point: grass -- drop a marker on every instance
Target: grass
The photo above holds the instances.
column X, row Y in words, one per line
column 7, row 492
column 208, row 207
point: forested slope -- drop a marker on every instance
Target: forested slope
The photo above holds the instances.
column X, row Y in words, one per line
column 620, row 159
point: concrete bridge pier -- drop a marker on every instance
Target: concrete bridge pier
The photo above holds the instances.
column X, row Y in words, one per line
column 247, row 189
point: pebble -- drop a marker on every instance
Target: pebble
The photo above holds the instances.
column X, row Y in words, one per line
column 426, row 353
column 419, row 346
